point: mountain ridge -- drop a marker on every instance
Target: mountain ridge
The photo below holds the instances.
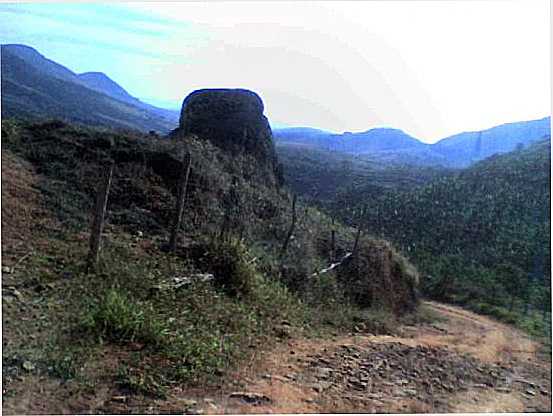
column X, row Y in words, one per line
column 99, row 81
column 34, row 86
column 395, row 146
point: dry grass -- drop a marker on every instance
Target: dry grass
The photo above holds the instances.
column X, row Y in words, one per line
column 21, row 206
column 485, row 401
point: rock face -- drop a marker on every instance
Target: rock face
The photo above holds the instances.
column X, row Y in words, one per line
column 233, row 120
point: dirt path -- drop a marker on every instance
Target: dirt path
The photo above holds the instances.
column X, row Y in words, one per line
column 464, row 363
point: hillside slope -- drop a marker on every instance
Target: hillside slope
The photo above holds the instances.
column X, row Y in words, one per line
column 146, row 322
column 481, row 235
column 322, row 175
column 38, row 88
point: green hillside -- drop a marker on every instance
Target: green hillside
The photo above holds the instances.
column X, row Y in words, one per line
column 321, row 175
column 480, row 236
column 35, row 88
column 241, row 279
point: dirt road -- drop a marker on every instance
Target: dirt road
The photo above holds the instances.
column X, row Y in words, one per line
column 464, row 363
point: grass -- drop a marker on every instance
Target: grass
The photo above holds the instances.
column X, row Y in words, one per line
column 136, row 382
column 422, row 315
column 532, row 322
column 194, row 333
column 117, row 318
column 63, row 364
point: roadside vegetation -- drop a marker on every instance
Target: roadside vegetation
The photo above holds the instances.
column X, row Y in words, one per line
column 480, row 237
column 148, row 319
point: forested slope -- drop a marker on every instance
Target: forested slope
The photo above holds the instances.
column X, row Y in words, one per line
column 481, row 235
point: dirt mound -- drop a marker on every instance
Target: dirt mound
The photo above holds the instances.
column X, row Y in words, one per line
column 379, row 276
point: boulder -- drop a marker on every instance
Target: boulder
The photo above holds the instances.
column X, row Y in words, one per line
column 233, row 120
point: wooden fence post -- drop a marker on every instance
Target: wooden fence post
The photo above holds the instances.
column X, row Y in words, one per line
column 332, row 242
column 357, row 235
column 292, row 226
column 183, row 184
column 98, row 219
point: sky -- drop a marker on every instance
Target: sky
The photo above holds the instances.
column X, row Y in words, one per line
column 431, row 68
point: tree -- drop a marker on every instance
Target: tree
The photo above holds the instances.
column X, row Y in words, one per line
column 512, row 277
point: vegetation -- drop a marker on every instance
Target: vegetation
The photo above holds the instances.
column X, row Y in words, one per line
column 117, row 318
column 480, row 237
column 321, row 175
column 35, row 88
column 167, row 317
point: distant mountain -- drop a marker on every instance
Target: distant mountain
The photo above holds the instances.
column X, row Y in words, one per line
column 377, row 140
column 395, row 146
column 36, row 87
column 374, row 140
column 100, row 82
column 463, row 149
column 383, row 144
column 40, row 63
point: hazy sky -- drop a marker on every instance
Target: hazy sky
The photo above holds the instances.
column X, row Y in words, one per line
column 432, row 68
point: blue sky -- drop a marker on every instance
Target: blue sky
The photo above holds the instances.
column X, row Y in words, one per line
column 431, row 68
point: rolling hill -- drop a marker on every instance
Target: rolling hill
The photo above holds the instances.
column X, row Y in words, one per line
column 35, row 87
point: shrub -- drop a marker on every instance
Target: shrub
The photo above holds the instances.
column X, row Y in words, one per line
column 118, row 319
column 230, row 263
column 137, row 382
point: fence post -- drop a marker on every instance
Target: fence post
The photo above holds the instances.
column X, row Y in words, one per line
column 183, row 184
column 332, row 242
column 292, row 226
column 98, row 219
column 355, row 245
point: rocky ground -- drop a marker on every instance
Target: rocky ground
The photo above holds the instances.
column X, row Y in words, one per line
column 464, row 363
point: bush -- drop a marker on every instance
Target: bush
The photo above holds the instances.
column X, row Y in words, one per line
column 118, row 319
column 230, row 263
column 496, row 312
column 136, row 382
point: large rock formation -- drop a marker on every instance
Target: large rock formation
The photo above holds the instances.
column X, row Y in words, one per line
column 233, row 120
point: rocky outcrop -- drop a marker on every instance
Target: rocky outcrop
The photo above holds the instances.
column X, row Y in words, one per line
column 233, row 120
